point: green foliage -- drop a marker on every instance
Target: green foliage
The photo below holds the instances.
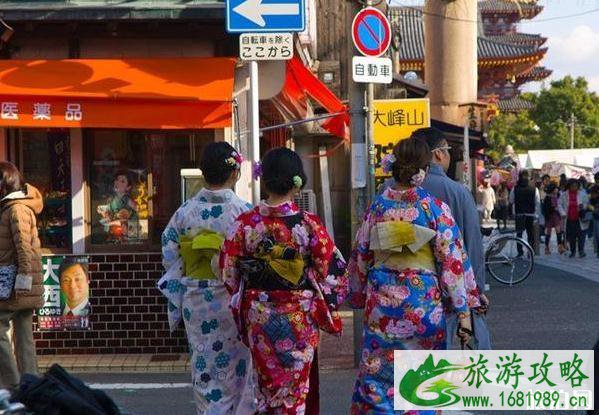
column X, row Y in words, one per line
column 551, row 115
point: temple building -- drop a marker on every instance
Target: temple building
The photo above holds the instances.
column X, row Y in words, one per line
column 507, row 59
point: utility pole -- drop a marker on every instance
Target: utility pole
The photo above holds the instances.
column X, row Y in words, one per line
column 571, row 124
column 359, row 162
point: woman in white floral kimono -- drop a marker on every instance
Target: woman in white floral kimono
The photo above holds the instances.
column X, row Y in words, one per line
column 220, row 362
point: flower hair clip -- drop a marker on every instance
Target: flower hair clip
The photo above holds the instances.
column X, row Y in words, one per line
column 387, row 163
column 256, row 170
column 418, row 178
column 298, row 182
column 235, row 160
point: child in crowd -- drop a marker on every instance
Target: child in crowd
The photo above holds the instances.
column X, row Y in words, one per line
column 191, row 242
column 287, row 279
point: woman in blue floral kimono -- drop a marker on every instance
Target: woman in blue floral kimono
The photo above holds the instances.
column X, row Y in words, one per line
column 407, row 264
column 287, row 278
column 221, row 364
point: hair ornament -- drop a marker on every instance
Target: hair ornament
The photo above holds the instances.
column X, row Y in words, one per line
column 256, row 170
column 298, row 182
column 235, row 160
column 387, row 163
column 418, row 178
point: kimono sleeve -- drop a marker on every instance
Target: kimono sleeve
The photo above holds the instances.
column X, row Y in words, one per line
column 361, row 260
column 449, row 252
column 233, row 247
column 329, row 264
column 170, row 242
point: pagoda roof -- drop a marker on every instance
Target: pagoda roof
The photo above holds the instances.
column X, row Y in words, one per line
column 526, row 9
column 514, row 105
column 520, row 38
column 490, row 52
column 538, row 73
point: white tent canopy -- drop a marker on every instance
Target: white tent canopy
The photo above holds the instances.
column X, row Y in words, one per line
column 582, row 157
column 555, row 169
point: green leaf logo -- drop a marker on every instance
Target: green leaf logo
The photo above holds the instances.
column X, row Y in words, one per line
column 413, row 379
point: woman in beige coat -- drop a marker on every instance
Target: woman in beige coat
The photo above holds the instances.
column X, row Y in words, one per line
column 20, row 246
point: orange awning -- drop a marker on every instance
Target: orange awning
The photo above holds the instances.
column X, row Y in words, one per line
column 190, row 93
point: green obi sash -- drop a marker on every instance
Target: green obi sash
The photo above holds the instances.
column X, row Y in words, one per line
column 402, row 245
column 197, row 254
column 284, row 261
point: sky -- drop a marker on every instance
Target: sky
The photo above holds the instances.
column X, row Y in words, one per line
column 573, row 42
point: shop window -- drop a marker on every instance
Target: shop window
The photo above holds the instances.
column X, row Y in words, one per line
column 44, row 159
column 135, row 184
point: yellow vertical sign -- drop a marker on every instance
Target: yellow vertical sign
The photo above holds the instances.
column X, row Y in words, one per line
column 395, row 120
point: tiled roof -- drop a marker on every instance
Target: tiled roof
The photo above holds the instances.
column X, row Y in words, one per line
column 409, row 22
column 520, row 38
column 528, row 8
column 14, row 10
column 411, row 29
column 514, row 105
column 538, row 73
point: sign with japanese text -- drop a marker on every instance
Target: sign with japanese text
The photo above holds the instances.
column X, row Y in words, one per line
column 66, row 294
column 67, row 112
column 265, row 46
column 394, row 120
column 516, row 380
column 375, row 70
column 42, row 112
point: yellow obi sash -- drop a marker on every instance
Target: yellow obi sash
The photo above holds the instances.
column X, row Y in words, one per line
column 285, row 261
column 197, row 254
column 402, row 245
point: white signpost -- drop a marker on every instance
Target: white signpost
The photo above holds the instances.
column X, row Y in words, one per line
column 376, row 70
column 265, row 46
column 251, row 17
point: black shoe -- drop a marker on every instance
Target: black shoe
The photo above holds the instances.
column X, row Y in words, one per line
column 582, row 254
column 573, row 254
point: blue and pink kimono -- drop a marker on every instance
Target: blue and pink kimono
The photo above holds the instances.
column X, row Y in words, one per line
column 408, row 267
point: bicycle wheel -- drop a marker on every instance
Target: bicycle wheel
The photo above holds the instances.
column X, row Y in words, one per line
column 509, row 259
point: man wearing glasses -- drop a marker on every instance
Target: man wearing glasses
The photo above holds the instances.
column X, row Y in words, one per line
column 464, row 211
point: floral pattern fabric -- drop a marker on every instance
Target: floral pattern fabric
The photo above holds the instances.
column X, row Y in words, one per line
column 281, row 325
column 221, row 364
column 405, row 309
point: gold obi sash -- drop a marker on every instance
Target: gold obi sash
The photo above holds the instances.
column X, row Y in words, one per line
column 402, row 245
column 197, row 254
column 284, row 261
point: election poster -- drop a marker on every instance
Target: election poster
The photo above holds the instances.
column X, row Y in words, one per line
column 66, row 294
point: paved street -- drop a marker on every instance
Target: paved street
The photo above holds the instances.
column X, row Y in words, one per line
column 551, row 310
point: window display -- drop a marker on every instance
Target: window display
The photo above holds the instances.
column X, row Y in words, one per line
column 135, row 182
column 119, row 189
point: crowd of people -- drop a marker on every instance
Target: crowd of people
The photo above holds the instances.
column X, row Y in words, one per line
column 255, row 285
column 566, row 207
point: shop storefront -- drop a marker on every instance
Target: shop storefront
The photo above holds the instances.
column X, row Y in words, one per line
column 105, row 142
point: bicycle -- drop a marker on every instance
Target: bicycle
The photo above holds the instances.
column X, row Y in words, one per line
column 508, row 258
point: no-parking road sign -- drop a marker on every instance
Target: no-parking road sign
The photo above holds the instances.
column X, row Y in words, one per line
column 371, row 32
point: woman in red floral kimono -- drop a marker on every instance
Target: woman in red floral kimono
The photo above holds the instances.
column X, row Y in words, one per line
column 287, row 281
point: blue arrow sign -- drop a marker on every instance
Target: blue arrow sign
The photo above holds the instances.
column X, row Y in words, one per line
column 247, row 16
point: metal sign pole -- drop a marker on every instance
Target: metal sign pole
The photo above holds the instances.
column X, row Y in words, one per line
column 255, row 127
column 370, row 141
